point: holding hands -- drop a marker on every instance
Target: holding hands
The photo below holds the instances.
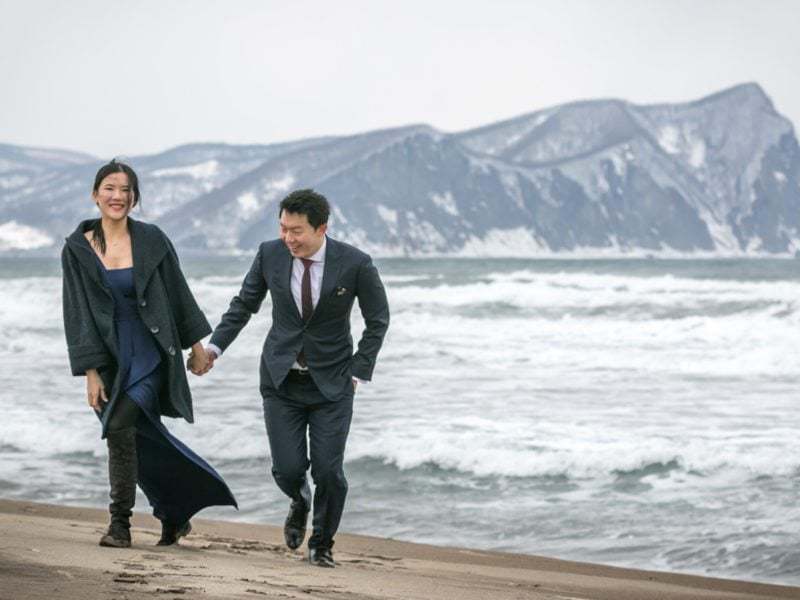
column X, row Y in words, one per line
column 200, row 360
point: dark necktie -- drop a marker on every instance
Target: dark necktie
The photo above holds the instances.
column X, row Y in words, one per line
column 306, row 302
column 305, row 290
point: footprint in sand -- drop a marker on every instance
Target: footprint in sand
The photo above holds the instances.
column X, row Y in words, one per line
column 179, row 589
column 131, row 578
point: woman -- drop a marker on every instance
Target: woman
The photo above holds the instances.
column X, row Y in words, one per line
column 127, row 313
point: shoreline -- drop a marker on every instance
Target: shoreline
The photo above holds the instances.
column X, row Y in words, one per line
column 50, row 551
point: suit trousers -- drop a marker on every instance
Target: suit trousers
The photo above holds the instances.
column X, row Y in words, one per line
column 293, row 411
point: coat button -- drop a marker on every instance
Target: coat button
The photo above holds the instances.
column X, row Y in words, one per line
column 171, row 350
column 154, row 329
column 143, row 303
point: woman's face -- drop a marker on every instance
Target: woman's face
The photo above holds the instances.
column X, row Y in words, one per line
column 114, row 196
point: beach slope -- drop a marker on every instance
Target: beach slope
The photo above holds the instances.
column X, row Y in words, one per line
column 51, row 551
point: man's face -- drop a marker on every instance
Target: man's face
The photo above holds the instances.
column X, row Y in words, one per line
column 299, row 236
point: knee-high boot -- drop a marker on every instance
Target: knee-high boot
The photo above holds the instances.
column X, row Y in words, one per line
column 122, row 475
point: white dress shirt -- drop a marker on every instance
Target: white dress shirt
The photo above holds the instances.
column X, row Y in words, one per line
column 316, row 269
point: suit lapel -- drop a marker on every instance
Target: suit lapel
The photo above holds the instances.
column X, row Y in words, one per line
column 285, row 277
column 330, row 274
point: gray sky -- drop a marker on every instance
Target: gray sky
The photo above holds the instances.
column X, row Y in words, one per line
column 124, row 78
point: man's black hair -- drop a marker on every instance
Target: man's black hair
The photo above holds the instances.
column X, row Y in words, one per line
column 309, row 203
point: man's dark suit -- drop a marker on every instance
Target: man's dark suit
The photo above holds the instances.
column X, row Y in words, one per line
column 321, row 401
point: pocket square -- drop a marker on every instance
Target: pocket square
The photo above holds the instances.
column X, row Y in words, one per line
column 341, row 291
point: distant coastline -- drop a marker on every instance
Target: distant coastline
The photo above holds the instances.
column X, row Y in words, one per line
column 719, row 176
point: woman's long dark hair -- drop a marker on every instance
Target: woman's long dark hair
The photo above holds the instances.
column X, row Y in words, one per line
column 98, row 237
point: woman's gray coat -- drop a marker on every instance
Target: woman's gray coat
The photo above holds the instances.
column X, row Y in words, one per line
column 166, row 305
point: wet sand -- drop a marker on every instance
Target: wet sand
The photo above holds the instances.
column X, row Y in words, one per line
column 51, row 552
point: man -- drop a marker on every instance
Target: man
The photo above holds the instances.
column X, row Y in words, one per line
column 308, row 370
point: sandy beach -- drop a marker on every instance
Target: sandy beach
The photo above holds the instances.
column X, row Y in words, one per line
column 49, row 551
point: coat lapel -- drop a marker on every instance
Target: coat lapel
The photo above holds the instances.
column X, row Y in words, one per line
column 82, row 251
column 330, row 274
column 148, row 248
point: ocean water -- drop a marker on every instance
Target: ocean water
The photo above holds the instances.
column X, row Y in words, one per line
column 641, row 413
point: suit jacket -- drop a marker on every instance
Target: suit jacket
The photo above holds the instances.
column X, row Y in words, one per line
column 166, row 305
column 325, row 339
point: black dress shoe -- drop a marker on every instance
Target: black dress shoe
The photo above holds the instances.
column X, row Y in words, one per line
column 321, row 557
column 294, row 530
column 170, row 533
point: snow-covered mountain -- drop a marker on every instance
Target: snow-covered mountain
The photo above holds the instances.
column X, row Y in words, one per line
column 718, row 176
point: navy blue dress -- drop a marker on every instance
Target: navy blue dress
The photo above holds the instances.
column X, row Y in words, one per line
column 177, row 482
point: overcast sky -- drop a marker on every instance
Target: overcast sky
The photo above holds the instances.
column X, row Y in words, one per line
column 125, row 78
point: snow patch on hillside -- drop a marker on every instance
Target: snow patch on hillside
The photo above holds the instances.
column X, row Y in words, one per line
column 281, row 184
column 13, row 181
column 387, row 214
column 724, row 239
column 202, row 170
column 697, row 154
column 668, row 137
column 445, row 202
column 683, row 141
column 504, row 242
column 15, row 236
column 248, row 205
